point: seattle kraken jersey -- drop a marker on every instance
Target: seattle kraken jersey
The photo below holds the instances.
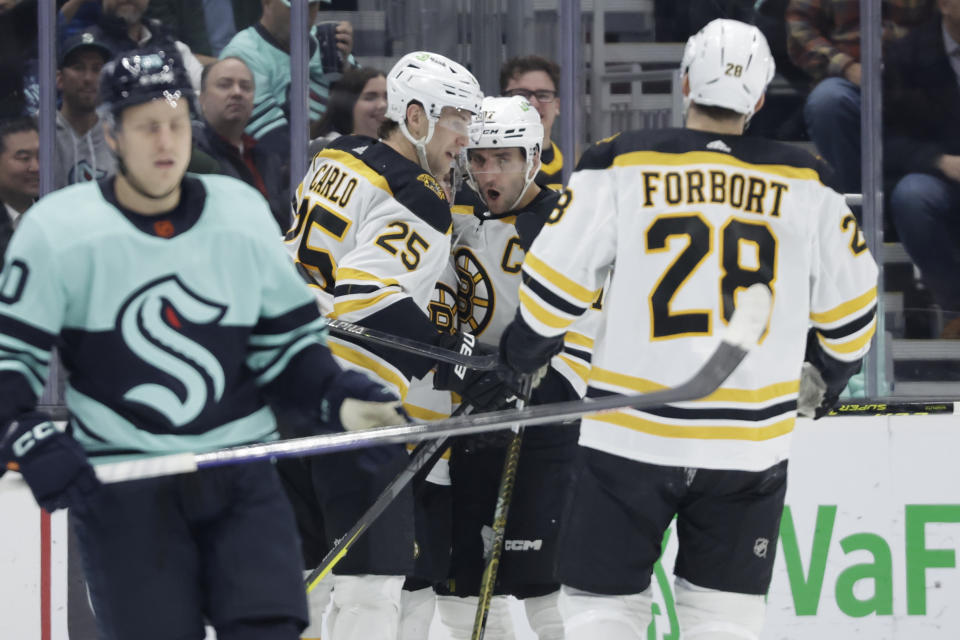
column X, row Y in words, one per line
column 171, row 327
column 487, row 253
column 684, row 220
column 372, row 236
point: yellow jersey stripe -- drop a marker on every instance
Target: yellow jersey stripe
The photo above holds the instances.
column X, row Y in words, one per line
column 346, row 273
column 850, row 346
column 462, row 209
column 578, row 339
column 659, row 158
column 377, row 367
column 343, row 308
column 754, row 434
column 580, row 369
column 559, row 280
column 763, row 394
column 355, row 164
column 551, row 320
column 847, row 308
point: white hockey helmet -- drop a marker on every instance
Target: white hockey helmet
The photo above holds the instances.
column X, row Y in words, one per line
column 505, row 123
column 728, row 64
column 435, row 82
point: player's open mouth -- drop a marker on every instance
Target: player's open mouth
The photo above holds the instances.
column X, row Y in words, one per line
column 492, row 194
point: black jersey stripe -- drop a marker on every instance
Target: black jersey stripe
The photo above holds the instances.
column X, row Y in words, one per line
column 355, row 289
column 712, row 413
column 290, row 321
column 586, row 356
column 24, row 332
column 548, row 296
column 851, row 327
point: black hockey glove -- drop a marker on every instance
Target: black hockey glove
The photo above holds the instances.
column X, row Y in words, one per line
column 483, row 390
column 525, row 350
column 53, row 464
column 354, row 402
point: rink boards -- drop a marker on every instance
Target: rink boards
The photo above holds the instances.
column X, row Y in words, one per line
column 868, row 543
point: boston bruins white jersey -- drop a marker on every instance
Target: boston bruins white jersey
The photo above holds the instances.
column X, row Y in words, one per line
column 371, row 237
column 683, row 221
column 487, row 253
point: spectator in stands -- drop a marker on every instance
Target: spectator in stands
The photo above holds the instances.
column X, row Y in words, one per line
column 187, row 22
column 124, row 28
column 358, row 105
column 226, row 100
column 265, row 47
column 922, row 152
column 19, row 172
column 82, row 150
column 824, row 41
column 537, row 79
column 18, row 58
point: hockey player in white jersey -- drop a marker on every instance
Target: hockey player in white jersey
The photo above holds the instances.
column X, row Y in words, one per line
column 496, row 219
column 372, row 237
column 182, row 326
column 684, row 220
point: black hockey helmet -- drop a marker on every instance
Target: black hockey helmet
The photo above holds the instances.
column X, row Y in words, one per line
column 145, row 74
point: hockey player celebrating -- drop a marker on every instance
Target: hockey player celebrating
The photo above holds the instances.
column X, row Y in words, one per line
column 684, row 220
column 372, row 236
column 179, row 319
column 490, row 238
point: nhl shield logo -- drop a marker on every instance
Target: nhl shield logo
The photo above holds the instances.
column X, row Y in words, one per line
column 760, row 547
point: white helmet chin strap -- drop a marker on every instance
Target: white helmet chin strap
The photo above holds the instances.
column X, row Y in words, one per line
column 421, row 145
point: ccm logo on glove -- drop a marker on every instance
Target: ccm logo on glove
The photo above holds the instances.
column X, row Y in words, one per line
column 29, row 439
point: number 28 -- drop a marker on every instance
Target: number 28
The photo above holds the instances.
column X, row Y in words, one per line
column 667, row 324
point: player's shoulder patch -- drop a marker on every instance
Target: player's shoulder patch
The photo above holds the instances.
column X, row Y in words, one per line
column 412, row 187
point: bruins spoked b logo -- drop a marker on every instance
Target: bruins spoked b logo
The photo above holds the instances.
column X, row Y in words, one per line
column 475, row 297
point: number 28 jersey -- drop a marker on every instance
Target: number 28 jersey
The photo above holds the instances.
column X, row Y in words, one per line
column 683, row 221
column 372, row 237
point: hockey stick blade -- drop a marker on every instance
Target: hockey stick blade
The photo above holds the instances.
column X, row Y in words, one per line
column 399, row 343
column 748, row 323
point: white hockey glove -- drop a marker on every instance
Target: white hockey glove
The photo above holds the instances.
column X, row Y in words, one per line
column 354, row 402
column 812, row 391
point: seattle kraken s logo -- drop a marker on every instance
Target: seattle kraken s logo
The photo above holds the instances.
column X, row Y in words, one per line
column 148, row 322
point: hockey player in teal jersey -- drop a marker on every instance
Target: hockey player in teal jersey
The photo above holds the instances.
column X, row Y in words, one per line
column 181, row 324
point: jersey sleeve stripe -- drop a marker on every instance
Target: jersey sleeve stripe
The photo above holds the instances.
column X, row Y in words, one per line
column 718, row 432
column 29, row 334
column 641, row 385
column 346, row 274
column 543, row 316
column 345, row 307
column 560, row 281
column 462, row 209
column 848, row 308
column 549, row 297
column 422, row 413
column 852, row 349
column 578, row 339
column 270, row 370
column 380, row 369
column 849, row 329
column 582, row 370
column 304, row 316
column 34, row 379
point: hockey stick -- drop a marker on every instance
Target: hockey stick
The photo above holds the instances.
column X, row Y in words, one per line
column 423, row 456
column 508, row 479
column 399, row 343
column 868, row 407
column 745, row 328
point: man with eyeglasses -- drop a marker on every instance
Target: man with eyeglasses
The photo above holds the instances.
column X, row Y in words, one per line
column 537, row 79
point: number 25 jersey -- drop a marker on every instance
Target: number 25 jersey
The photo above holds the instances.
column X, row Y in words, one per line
column 372, row 237
column 684, row 220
